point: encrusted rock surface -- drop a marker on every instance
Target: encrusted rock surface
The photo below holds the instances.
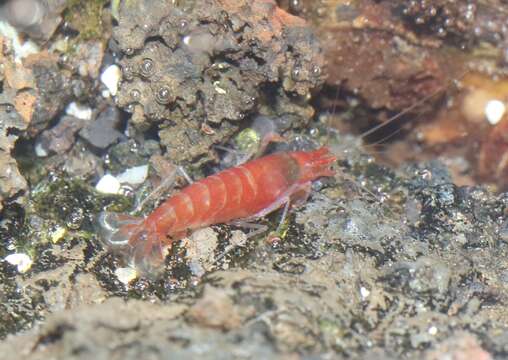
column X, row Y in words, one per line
column 198, row 68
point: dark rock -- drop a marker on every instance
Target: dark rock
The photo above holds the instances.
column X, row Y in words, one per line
column 103, row 132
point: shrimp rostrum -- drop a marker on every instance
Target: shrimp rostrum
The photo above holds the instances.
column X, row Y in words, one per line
column 246, row 192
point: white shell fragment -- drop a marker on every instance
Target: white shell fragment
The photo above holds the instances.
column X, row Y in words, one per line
column 126, row 275
column 494, row 111
column 111, row 78
column 108, row 184
column 134, row 176
column 22, row 261
column 21, row 50
column 79, row 111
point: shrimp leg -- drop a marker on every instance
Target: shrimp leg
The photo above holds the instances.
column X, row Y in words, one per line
column 257, row 229
column 164, row 185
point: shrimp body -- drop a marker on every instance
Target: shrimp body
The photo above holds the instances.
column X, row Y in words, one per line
column 248, row 191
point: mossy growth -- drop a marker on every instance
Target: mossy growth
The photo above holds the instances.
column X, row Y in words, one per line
column 58, row 209
column 87, row 17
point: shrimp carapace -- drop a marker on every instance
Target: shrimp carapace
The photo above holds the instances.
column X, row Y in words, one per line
column 248, row 191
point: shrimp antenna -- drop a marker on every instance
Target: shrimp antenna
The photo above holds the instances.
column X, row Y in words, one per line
column 413, row 106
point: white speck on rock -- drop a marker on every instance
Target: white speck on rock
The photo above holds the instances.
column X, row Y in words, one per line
column 22, row 261
column 111, row 78
column 79, row 111
column 40, row 151
column 433, row 330
column 364, row 292
column 108, row 184
column 134, row 176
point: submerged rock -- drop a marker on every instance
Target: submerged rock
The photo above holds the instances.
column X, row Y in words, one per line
column 197, row 69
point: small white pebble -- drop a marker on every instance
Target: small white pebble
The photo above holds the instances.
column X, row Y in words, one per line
column 126, row 275
column 105, row 94
column 108, row 184
column 364, row 292
column 134, row 176
column 111, row 78
column 40, row 151
column 22, row 261
column 432, row 330
column 494, row 111
column 82, row 112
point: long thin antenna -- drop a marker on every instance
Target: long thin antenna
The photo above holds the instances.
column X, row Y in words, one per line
column 413, row 106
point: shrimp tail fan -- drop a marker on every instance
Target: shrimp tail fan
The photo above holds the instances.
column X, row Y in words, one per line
column 129, row 236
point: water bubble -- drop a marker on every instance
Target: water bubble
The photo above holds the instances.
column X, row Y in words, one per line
column 314, row 132
column 129, row 51
column 296, row 74
column 183, row 25
column 163, row 95
column 147, row 67
column 295, row 6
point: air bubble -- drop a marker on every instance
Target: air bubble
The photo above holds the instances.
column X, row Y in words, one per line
column 129, row 51
column 316, row 70
column 163, row 95
column 183, row 24
column 295, row 6
column 147, row 67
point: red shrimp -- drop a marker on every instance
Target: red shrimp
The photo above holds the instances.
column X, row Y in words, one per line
column 248, row 191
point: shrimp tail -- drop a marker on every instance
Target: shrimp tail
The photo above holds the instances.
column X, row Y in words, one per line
column 129, row 235
column 117, row 230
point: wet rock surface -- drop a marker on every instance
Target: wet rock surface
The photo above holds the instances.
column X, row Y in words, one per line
column 395, row 266
column 198, row 69
column 380, row 262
